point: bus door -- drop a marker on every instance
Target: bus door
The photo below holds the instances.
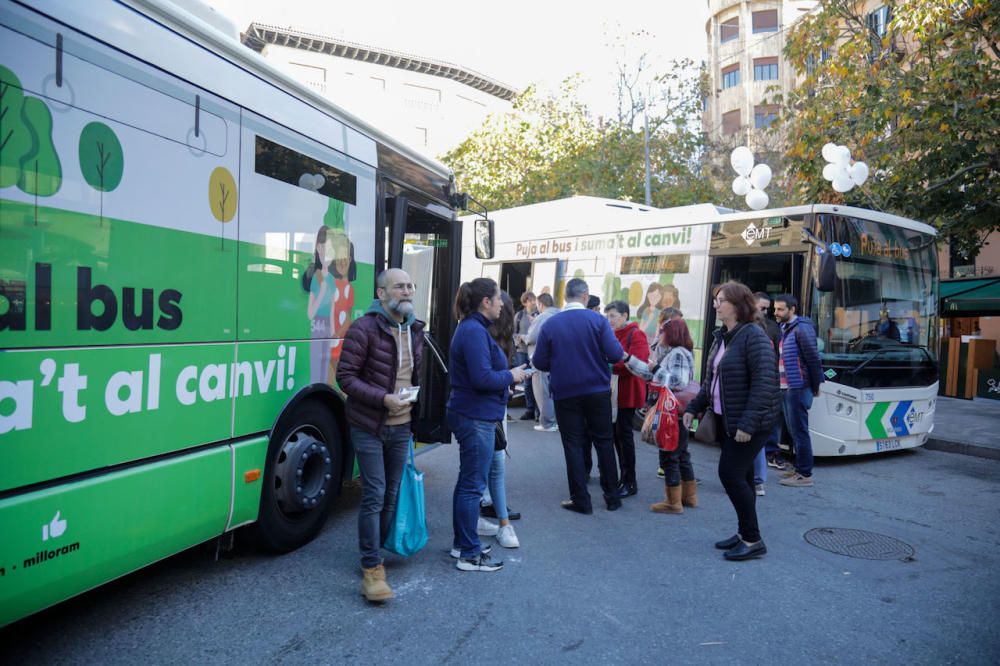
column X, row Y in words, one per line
column 425, row 241
column 772, row 274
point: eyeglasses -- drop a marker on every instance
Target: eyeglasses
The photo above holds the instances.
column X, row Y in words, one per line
column 719, row 301
column 403, row 286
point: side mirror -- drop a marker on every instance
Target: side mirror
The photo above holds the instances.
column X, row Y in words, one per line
column 484, row 238
column 827, row 279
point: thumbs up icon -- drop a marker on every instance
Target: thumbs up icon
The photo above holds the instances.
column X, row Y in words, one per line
column 55, row 528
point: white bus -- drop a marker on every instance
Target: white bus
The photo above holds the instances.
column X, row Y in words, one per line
column 867, row 279
column 185, row 235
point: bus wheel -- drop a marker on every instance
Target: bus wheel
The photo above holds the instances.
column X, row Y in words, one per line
column 301, row 479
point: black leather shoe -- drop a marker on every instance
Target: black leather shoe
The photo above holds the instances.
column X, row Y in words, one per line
column 570, row 505
column 628, row 489
column 727, row 544
column 614, row 503
column 744, row 552
column 527, row 416
column 490, row 511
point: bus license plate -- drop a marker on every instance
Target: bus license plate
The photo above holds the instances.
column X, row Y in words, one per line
column 887, row 444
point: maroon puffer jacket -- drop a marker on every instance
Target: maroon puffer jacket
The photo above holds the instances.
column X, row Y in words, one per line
column 367, row 368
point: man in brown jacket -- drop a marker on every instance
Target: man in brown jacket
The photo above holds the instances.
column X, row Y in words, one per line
column 379, row 363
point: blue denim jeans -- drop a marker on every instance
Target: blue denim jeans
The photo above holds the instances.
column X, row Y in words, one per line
column 797, row 402
column 498, row 491
column 521, row 358
column 475, row 452
column 380, row 462
column 770, row 448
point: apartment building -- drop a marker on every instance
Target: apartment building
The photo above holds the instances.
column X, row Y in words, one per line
column 428, row 104
column 746, row 66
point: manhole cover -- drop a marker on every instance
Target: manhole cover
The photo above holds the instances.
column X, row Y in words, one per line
column 858, row 543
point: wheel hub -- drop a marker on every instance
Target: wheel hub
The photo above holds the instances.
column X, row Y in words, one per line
column 302, row 473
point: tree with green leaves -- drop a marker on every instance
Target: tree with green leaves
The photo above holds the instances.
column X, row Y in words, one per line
column 102, row 161
column 28, row 157
column 551, row 146
column 916, row 97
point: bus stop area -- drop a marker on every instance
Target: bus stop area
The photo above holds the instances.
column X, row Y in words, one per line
column 887, row 559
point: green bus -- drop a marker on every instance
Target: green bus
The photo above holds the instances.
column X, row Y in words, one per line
column 185, row 235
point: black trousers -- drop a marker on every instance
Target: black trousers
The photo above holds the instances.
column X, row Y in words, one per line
column 584, row 419
column 676, row 464
column 625, row 444
column 736, row 475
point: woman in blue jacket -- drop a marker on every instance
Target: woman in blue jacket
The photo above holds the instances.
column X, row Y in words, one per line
column 480, row 381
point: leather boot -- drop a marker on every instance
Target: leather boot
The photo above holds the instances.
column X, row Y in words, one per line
column 689, row 493
column 373, row 585
column 672, row 503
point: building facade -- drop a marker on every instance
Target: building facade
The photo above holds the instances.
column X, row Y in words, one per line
column 428, row 104
column 746, row 67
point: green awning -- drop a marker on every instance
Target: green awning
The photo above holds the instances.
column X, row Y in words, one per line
column 973, row 297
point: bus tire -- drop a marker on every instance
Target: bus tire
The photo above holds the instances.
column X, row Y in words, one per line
column 301, row 478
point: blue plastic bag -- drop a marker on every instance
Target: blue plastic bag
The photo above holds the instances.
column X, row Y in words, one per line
column 408, row 533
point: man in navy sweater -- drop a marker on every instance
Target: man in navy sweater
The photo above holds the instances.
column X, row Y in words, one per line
column 577, row 348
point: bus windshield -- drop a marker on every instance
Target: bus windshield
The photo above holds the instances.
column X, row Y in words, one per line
column 877, row 328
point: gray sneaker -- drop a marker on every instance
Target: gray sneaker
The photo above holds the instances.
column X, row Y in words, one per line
column 759, row 490
column 797, row 481
column 481, row 562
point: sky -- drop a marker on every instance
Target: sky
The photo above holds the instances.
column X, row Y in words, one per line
column 518, row 42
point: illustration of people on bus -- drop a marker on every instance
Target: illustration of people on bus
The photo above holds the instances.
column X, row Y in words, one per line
column 658, row 298
column 331, row 298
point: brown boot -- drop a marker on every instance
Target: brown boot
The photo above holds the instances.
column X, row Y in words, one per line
column 689, row 493
column 672, row 503
column 373, row 586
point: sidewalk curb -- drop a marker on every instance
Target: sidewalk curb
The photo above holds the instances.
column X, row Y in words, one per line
column 963, row 448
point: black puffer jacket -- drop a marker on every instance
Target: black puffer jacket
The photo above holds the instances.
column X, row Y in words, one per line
column 748, row 381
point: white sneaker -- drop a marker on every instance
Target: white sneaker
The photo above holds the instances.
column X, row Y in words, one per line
column 759, row 489
column 541, row 428
column 507, row 538
column 486, row 528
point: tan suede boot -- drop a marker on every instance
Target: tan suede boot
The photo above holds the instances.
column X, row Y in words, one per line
column 689, row 493
column 672, row 503
column 373, row 586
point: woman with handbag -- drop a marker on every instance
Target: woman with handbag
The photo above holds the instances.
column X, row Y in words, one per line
column 480, row 381
column 676, row 372
column 740, row 395
column 631, row 392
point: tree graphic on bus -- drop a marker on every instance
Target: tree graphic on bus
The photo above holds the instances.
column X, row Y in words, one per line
column 222, row 197
column 28, row 157
column 102, row 160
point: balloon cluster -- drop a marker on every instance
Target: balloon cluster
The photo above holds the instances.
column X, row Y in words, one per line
column 751, row 180
column 839, row 169
column 312, row 181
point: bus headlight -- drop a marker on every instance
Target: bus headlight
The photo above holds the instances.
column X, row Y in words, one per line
column 850, row 410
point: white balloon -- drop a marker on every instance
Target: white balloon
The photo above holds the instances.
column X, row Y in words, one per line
column 843, row 155
column 859, row 173
column 306, row 181
column 830, row 171
column 843, row 184
column 757, row 199
column 829, row 152
column 760, row 176
column 741, row 160
column 318, row 181
column 741, row 185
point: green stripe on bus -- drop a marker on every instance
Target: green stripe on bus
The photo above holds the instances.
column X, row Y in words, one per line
column 874, row 420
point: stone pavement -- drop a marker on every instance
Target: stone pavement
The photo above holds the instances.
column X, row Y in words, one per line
column 969, row 427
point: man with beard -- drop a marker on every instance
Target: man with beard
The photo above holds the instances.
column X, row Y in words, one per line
column 380, row 361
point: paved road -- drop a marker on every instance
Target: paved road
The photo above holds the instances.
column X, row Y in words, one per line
column 625, row 587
